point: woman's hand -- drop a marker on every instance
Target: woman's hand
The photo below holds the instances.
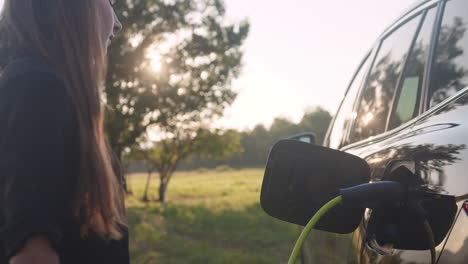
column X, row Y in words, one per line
column 37, row 250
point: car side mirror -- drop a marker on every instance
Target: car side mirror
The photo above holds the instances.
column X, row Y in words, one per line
column 307, row 137
column 301, row 177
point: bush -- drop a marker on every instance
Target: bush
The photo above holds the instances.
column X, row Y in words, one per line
column 202, row 170
column 222, row 168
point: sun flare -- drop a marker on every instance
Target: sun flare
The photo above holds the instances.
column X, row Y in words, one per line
column 156, row 59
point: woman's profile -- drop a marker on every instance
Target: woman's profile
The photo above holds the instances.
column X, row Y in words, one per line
column 61, row 198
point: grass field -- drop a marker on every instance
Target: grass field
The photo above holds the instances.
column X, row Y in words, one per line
column 211, row 217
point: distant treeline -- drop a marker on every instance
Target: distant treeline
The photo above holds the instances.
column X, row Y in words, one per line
column 258, row 141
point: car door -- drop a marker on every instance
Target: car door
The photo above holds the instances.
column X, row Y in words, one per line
column 365, row 109
column 444, row 85
column 390, row 133
column 436, row 146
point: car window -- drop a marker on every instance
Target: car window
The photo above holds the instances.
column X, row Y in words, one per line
column 376, row 97
column 450, row 68
column 407, row 100
column 345, row 113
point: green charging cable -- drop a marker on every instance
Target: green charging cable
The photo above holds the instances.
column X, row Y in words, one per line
column 327, row 207
column 305, row 232
column 430, row 236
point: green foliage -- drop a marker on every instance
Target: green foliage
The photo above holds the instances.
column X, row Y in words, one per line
column 202, row 170
column 316, row 120
column 199, row 54
column 329, row 248
column 222, row 168
column 257, row 142
column 212, row 217
column 165, row 154
column 219, row 145
column 146, row 156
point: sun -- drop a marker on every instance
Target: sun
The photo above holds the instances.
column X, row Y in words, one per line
column 155, row 58
column 156, row 65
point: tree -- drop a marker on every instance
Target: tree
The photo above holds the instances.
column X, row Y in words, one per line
column 283, row 128
column 258, row 141
column 316, row 120
column 165, row 155
column 173, row 63
column 256, row 144
column 146, row 156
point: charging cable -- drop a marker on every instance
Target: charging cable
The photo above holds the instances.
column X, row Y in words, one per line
column 369, row 195
column 430, row 237
column 310, row 225
column 421, row 214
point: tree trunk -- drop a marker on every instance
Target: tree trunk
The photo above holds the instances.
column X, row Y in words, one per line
column 119, row 168
column 145, row 194
column 165, row 179
column 119, row 152
column 162, row 189
column 125, row 184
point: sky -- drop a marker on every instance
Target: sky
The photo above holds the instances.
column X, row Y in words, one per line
column 301, row 54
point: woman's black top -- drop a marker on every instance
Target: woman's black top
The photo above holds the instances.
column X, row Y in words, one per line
column 39, row 154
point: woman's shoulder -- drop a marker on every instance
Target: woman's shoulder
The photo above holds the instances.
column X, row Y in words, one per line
column 30, row 73
column 30, row 79
column 30, row 87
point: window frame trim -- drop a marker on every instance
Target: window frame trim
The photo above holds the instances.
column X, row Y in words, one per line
column 326, row 141
column 420, row 9
column 374, row 53
column 399, row 84
column 380, row 43
column 434, row 44
column 426, row 111
column 412, row 122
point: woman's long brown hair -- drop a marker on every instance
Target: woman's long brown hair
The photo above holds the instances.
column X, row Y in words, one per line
column 65, row 34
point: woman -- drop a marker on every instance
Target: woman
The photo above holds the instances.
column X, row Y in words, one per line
column 60, row 198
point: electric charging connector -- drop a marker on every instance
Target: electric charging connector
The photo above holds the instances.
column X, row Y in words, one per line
column 369, row 195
